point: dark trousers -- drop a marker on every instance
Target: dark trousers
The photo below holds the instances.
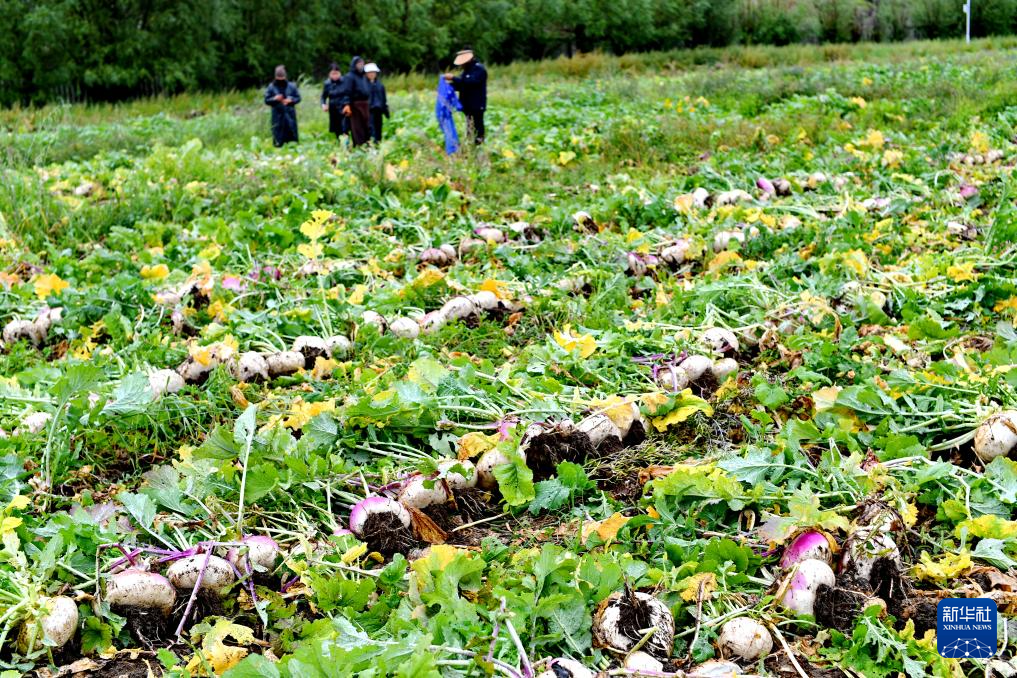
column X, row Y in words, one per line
column 475, row 124
column 377, row 115
column 359, row 122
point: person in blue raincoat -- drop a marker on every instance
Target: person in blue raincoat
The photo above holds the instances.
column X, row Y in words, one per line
column 282, row 95
column 444, row 104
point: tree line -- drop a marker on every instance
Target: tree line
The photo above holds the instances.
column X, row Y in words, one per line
column 112, row 49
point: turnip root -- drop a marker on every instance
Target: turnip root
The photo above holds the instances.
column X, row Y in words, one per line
column 601, row 431
column 583, row 221
column 730, row 197
column 489, row 461
column 374, row 319
column 485, row 300
column 404, row 328
column 460, row 308
column 55, row 626
column 33, row 423
column 672, row 378
column 383, row 523
column 161, row 382
column 782, row 187
column 808, row 545
column 250, row 367
column 872, row 538
column 262, row 552
column 621, row 619
column 722, row 241
column 675, row 254
column 717, row 668
column 797, row 593
column 565, row 668
column 416, row 493
column 311, row 348
column 744, row 638
column 721, row 340
column 458, row 480
column 16, row 330
column 724, row 368
column 339, row 346
column 433, row 321
column 640, row 661
column 490, row 234
column 438, row 256
column 218, row 574
column 142, row 590
column 283, row 363
column 469, row 245
column 638, row 265
column 696, row 367
column 766, row 186
column 997, row 436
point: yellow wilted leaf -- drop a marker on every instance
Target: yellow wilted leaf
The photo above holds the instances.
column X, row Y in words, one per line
column 698, row 586
column 980, row 142
column 892, row 158
column 565, row 157
column 474, row 444
column 723, row 260
column 687, row 405
column 313, row 229
column 606, row 529
column 441, row 555
column 962, row 272
column 429, row 276
column 497, row 288
column 322, row 367
column 856, row 261
column 987, row 526
column 824, row 398
column 946, row 568
column 310, row 250
column 220, row 656
column 157, row 272
column 354, row 553
column 357, row 295
column 622, row 411
column 909, row 514
column 1006, row 305
column 874, row 140
column 859, row 102
column 48, row 284
column 19, row 503
column 9, row 524
column 585, row 344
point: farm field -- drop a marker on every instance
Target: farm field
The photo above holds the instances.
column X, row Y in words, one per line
column 692, row 370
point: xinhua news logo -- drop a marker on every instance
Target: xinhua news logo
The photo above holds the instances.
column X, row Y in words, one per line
column 966, row 628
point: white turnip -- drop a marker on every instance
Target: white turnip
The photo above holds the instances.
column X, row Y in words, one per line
column 721, row 340
column 600, row 430
column 622, row 618
column 675, row 254
column 672, row 378
column 311, row 348
column 55, row 625
column 723, row 239
column 565, row 668
column 460, row 479
column 997, row 436
column 377, row 508
column 744, row 638
column 339, row 346
column 489, row 461
column 140, row 590
column 34, row 422
column 250, row 367
column 374, row 319
column 218, row 574
column 163, row 381
column 797, row 593
column 419, row 492
column 724, row 368
column 404, row 328
column 262, row 552
column 696, row 367
column 640, row 662
column 283, row 363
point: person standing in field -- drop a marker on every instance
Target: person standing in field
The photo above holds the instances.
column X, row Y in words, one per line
column 331, row 101
column 471, row 85
column 378, row 101
column 282, row 95
column 356, row 102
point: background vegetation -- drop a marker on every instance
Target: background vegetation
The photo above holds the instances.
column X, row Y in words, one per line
column 83, row 49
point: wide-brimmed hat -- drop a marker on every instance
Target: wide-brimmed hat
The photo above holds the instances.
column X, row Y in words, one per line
column 372, row 68
column 463, row 57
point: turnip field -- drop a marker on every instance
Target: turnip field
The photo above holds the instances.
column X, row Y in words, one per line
column 691, row 370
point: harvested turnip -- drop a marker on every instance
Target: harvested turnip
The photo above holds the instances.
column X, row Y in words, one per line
column 485, row 300
column 721, row 340
column 782, row 186
column 731, row 197
column 489, row 461
column 797, row 592
column 722, row 241
column 250, row 367
column 146, row 599
column 383, row 523
column 283, row 363
column 311, row 348
column 55, row 625
column 675, row 254
column 583, row 221
column 696, row 367
column 672, row 378
column 766, row 186
column 717, row 668
column 405, row 328
column 490, row 234
column 33, row 423
column 339, row 346
column 419, row 492
column 460, row 308
column 623, row 618
column 565, row 668
column 808, row 545
column 262, row 552
column 601, row 431
column 744, row 638
column 872, row 537
column 458, row 480
column 997, row 436
column 639, row 265
column 218, row 574
column 433, row 321
column 438, row 256
column 640, row 661
column 374, row 319
column 164, row 381
column 724, row 368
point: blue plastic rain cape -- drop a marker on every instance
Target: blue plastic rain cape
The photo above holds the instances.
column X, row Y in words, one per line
column 444, row 105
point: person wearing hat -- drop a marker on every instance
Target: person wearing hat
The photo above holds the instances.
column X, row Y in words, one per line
column 355, row 102
column 282, row 95
column 471, row 85
column 378, row 101
column 331, row 101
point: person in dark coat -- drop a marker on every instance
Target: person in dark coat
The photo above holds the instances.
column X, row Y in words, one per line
column 331, row 101
column 283, row 96
column 378, row 101
column 356, row 102
column 471, row 86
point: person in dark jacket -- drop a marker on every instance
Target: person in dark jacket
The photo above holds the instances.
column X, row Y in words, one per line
column 331, row 101
column 471, row 86
column 283, row 96
column 378, row 101
column 356, row 102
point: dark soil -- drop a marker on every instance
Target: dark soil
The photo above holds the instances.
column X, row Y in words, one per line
column 547, row 450
column 385, row 533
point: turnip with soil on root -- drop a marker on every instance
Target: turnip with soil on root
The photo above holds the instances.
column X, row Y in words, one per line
column 872, row 538
column 640, row 662
column 250, row 367
column 215, row 573
column 311, row 348
column 54, row 625
column 724, row 368
column 721, row 340
column 404, row 328
column 145, row 599
column 797, row 592
column 997, row 436
column 383, row 523
column 624, row 618
column 745, row 639
column 808, row 545
column 339, row 346
column 163, row 381
column 284, row 363
column 564, row 667
column 489, row 461
column 261, row 551
column 419, row 492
